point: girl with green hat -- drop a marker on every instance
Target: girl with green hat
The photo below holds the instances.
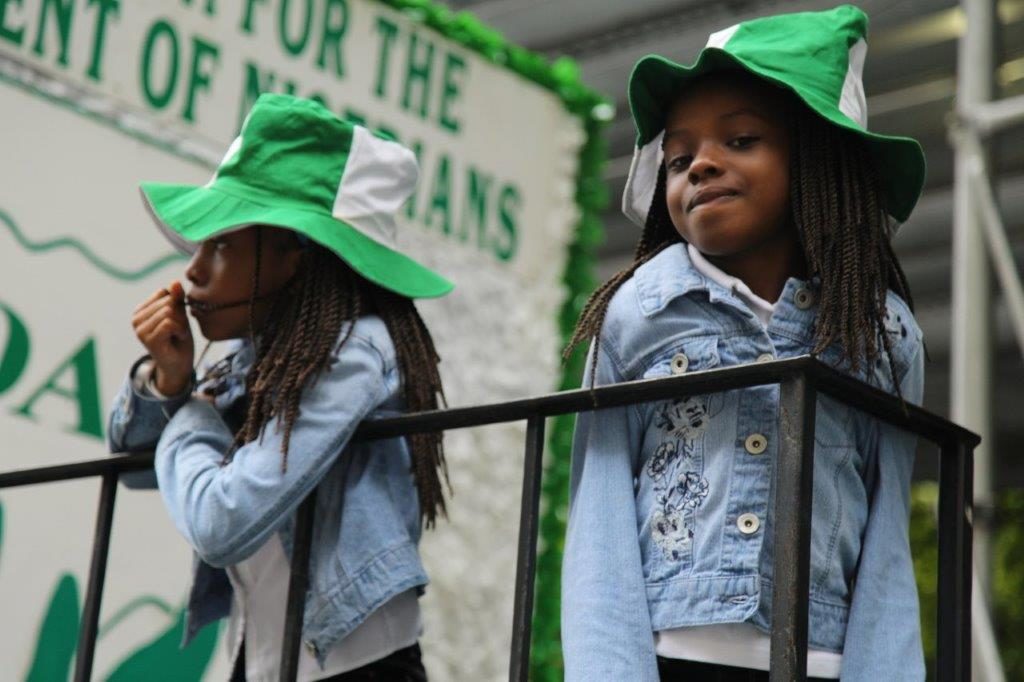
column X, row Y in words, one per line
column 767, row 210
column 294, row 256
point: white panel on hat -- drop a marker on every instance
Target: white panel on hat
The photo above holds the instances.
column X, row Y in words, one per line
column 643, row 176
column 720, row 38
column 378, row 179
column 852, row 101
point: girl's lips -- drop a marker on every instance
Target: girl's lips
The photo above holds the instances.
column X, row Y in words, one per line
column 711, row 195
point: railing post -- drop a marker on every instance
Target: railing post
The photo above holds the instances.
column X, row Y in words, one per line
column 97, row 573
column 791, row 516
column 526, row 557
column 297, row 587
column 956, row 485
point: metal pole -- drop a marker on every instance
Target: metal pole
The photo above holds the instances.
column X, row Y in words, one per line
column 97, row 573
column 297, row 587
column 971, row 342
column 526, row 558
column 953, row 654
column 999, row 248
column 794, row 471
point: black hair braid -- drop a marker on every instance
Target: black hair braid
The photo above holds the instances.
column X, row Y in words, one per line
column 658, row 233
column 297, row 343
column 857, row 265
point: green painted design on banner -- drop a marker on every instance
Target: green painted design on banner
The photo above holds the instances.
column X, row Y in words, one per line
column 15, row 355
column 162, row 659
column 133, row 606
column 58, row 635
column 87, row 253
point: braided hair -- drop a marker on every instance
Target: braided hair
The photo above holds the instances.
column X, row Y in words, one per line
column 296, row 344
column 838, row 211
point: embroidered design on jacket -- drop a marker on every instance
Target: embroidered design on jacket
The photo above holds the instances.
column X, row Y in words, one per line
column 675, row 469
column 684, row 418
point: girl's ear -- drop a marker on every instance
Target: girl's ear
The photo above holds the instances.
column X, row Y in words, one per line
column 283, row 246
column 292, row 257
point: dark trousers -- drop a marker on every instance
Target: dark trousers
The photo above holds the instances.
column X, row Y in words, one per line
column 677, row 670
column 404, row 665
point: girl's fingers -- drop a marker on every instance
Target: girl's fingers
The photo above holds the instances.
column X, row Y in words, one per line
column 146, row 327
column 157, row 307
column 155, row 296
column 176, row 291
column 169, row 329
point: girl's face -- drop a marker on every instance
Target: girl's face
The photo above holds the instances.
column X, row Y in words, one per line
column 221, row 272
column 727, row 146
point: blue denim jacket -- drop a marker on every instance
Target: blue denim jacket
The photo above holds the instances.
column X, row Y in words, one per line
column 367, row 526
column 669, row 520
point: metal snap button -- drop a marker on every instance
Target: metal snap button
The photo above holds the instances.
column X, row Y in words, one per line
column 765, row 357
column 803, row 298
column 756, row 444
column 748, row 523
column 680, row 363
column 311, row 647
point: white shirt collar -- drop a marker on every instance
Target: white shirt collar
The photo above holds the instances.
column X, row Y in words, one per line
column 760, row 307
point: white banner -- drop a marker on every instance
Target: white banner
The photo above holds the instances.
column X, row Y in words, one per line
column 97, row 96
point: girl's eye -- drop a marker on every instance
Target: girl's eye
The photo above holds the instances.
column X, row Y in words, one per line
column 743, row 141
column 679, row 163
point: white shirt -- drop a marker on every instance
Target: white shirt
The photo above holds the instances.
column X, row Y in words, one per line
column 258, row 613
column 735, row 644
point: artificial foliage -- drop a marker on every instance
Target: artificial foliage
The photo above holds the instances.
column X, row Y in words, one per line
column 1007, row 578
column 561, row 77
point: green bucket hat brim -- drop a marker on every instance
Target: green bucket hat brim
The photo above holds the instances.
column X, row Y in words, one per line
column 189, row 214
column 655, row 81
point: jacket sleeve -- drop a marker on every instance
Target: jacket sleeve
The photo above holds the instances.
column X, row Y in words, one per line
column 883, row 635
column 226, row 512
column 136, row 421
column 606, row 624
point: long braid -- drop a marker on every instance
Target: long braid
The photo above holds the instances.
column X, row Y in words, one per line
column 847, row 246
column 299, row 338
column 421, row 387
column 658, row 233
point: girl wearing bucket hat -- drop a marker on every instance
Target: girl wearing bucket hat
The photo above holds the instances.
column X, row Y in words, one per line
column 767, row 209
column 294, row 255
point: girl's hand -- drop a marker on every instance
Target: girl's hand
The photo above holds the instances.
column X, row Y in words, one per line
column 161, row 325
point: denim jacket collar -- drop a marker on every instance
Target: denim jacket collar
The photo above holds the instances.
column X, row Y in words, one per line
column 671, row 274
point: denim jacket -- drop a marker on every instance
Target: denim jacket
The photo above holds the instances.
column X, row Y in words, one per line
column 669, row 521
column 367, row 527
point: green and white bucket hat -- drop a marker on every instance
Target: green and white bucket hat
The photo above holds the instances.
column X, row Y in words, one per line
column 298, row 166
column 818, row 56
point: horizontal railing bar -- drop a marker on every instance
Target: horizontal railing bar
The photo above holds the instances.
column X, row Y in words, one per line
column 871, row 400
column 888, row 408
column 91, row 467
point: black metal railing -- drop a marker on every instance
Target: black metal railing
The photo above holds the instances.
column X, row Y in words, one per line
column 800, row 380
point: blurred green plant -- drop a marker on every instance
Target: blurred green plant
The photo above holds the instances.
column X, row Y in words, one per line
column 1007, row 573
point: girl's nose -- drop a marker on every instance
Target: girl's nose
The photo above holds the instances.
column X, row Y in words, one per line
column 703, row 166
column 195, row 272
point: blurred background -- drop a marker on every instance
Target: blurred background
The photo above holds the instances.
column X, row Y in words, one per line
column 85, row 114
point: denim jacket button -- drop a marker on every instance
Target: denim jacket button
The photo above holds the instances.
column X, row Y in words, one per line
column 765, row 357
column 756, row 444
column 748, row 523
column 803, row 298
column 680, row 363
